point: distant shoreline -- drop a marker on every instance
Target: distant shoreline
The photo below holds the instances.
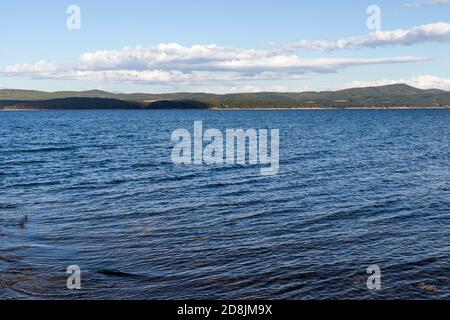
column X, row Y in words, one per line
column 331, row 108
column 25, row 109
column 237, row 109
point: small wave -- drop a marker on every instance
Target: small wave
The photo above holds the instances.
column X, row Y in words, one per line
column 49, row 149
column 142, row 277
column 9, row 259
column 19, row 163
column 9, row 206
column 179, row 178
column 144, row 165
column 35, row 184
column 117, row 273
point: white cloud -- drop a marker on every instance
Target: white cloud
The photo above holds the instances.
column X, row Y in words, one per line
column 253, row 89
column 422, row 82
column 434, row 32
column 198, row 64
column 436, row 1
column 427, row 2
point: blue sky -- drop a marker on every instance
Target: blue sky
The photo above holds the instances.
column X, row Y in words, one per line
column 222, row 46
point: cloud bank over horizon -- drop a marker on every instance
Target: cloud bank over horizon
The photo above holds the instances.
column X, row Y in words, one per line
column 197, row 64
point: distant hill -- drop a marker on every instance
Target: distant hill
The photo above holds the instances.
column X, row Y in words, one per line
column 69, row 103
column 12, row 94
column 391, row 96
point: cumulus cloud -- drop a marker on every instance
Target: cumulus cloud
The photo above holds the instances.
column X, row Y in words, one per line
column 422, row 82
column 198, row 64
column 434, row 32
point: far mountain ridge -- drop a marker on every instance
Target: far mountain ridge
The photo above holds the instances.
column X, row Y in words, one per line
column 389, row 96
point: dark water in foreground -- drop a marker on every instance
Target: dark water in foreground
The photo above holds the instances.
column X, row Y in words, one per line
column 355, row 188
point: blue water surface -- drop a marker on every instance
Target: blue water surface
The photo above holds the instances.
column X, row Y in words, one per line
column 355, row 188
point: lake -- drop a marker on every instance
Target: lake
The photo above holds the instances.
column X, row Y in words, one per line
column 354, row 188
